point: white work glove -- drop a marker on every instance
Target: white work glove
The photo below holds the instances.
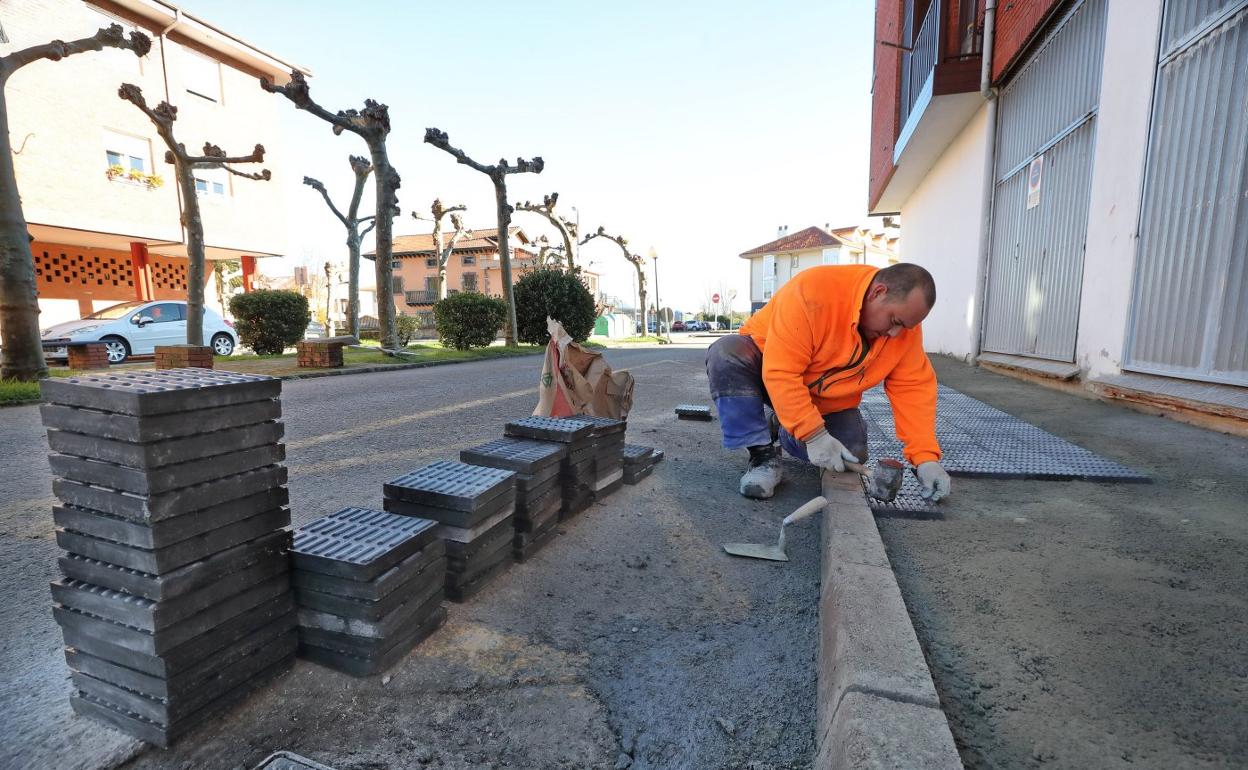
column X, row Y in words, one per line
column 935, row 481
column 826, row 452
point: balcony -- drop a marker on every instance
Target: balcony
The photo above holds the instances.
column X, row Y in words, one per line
column 424, row 297
column 937, row 90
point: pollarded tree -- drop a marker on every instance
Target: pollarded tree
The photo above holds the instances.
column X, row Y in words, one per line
column 22, row 356
column 442, row 250
column 372, row 124
column 498, row 175
column 184, row 165
column 355, row 236
column 635, row 260
column 566, row 227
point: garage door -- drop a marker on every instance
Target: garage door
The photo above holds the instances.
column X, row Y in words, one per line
column 1046, row 126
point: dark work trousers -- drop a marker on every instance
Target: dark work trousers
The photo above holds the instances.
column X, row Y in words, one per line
column 734, row 365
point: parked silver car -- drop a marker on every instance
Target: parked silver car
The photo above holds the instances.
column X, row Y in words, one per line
column 136, row 328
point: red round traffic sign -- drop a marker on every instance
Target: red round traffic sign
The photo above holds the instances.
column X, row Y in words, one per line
column 715, row 297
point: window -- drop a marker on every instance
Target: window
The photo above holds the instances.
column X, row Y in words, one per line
column 126, row 156
column 397, row 283
column 211, row 182
column 201, row 75
column 794, row 262
column 395, row 264
column 431, row 262
column 165, row 312
column 469, row 282
column 431, row 283
column 470, row 259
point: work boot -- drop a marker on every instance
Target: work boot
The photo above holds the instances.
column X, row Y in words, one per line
column 763, row 476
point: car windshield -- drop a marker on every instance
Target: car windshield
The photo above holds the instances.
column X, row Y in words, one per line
column 114, row 312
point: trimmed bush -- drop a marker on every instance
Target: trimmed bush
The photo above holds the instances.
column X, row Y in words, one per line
column 407, row 325
column 556, row 293
column 269, row 321
column 469, row 320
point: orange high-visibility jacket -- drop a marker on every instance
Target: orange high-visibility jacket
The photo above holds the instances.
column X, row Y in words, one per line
column 816, row 362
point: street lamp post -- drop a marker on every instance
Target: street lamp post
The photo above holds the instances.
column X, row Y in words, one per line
column 658, row 306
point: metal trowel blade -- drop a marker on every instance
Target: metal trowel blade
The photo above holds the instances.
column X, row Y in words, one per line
column 757, row 551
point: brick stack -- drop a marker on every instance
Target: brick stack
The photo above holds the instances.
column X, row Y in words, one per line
column 474, row 507
column 576, row 473
column 639, row 462
column 176, row 598
column 608, row 453
column 539, row 495
column 183, row 357
column 317, row 354
column 88, row 355
column 369, row 586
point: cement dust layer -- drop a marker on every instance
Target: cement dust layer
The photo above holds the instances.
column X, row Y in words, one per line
column 1079, row 625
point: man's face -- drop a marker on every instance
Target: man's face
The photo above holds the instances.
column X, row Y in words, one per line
column 885, row 315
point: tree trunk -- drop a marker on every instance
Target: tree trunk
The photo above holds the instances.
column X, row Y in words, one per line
column 641, row 298
column 504, row 255
column 353, row 284
column 22, row 357
column 387, row 202
column 194, row 224
column 440, row 256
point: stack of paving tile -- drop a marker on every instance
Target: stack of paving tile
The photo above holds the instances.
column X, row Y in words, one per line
column 608, row 453
column 369, row 586
column 176, row 599
column 577, row 475
column 538, row 493
column 639, row 462
column 475, row 508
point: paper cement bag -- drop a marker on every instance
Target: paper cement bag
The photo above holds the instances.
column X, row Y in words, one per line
column 576, row 380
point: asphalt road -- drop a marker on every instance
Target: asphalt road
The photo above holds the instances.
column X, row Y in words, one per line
column 630, row 640
column 1088, row 625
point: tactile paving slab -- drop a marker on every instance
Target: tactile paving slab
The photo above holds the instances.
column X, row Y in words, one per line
column 158, row 454
column 382, row 659
column 285, row 760
column 693, row 412
column 451, row 516
column 359, row 543
column 142, row 430
column 526, row 456
column 164, row 391
column 979, row 440
column 157, row 481
column 603, row 426
column 373, row 610
column 379, row 587
column 566, row 430
column 154, row 508
column 450, row 484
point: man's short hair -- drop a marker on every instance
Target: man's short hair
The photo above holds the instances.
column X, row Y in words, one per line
column 903, row 278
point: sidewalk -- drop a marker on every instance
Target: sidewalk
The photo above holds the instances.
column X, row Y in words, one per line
column 1077, row 624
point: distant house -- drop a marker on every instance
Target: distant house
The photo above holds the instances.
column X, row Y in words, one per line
column 101, row 203
column 473, row 266
column 774, row 263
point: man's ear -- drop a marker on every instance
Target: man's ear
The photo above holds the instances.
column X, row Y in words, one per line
column 876, row 291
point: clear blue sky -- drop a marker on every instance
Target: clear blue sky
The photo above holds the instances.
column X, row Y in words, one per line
column 693, row 127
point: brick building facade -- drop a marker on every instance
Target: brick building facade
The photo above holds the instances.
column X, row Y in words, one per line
column 100, row 201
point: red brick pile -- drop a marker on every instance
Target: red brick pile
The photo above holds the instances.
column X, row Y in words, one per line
column 319, row 354
column 183, row 356
column 93, row 355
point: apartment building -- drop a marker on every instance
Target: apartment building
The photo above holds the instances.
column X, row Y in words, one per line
column 102, row 205
column 1075, row 181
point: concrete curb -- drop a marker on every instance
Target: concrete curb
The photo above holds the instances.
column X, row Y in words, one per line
column 876, row 704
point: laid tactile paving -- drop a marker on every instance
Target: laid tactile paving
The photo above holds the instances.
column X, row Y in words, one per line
column 603, row 426
column 176, row 600
column 143, row 393
column 563, row 429
column 450, row 484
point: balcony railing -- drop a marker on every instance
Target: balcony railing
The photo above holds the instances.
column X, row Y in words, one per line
column 918, row 62
column 424, row 297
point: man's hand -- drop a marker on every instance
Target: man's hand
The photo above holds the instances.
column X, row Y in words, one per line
column 826, row 452
column 935, row 481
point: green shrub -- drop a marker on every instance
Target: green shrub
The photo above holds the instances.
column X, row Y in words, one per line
column 469, row 320
column 407, row 325
column 555, row 293
column 269, row 321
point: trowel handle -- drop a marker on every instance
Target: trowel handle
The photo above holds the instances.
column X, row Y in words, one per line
column 807, row 509
column 858, row 468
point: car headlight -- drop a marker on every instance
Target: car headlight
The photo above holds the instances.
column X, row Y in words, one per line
column 84, row 330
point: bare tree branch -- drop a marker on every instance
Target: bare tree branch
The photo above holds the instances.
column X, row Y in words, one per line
column 566, row 228
column 112, row 36
column 263, row 175
column 368, row 229
column 635, row 259
column 317, row 185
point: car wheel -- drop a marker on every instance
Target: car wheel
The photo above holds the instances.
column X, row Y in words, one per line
column 222, row 344
column 118, row 349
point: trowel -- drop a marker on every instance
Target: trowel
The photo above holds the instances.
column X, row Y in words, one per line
column 884, row 482
column 776, row 552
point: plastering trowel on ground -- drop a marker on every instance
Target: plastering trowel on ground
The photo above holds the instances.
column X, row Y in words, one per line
column 883, row 484
column 776, row 552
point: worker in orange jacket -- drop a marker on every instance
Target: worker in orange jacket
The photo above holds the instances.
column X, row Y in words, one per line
column 827, row 336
